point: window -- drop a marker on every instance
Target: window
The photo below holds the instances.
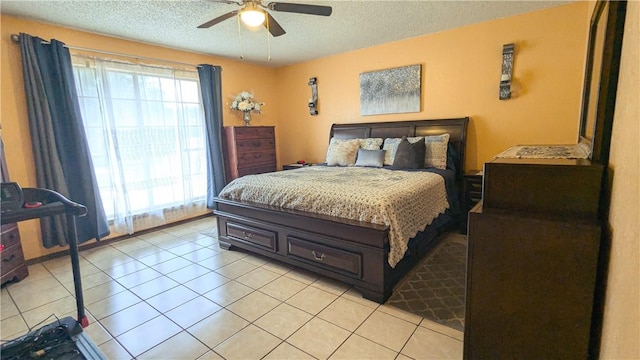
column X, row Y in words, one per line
column 146, row 134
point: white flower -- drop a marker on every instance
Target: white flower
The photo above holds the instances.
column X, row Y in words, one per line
column 244, row 106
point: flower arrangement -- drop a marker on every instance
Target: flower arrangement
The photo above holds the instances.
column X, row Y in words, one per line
column 245, row 102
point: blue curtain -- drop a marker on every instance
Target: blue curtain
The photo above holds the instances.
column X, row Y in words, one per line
column 211, row 87
column 62, row 158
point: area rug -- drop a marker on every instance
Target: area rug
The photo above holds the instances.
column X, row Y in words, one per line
column 435, row 288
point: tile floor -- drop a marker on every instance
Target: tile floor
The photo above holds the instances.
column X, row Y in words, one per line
column 174, row 294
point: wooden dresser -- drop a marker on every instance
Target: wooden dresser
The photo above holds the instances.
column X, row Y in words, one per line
column 249, row 150
column 12, row 266
column 532, row 260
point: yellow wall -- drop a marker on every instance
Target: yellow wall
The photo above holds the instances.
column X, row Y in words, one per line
column 621, row 327
column 461, row 73
column 236, row 76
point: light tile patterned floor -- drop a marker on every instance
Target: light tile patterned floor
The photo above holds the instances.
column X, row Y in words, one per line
column 174, row 294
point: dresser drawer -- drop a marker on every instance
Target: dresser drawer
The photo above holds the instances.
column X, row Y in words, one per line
column 10, row 235
column 265, row 239
column 255, row 145
column 252, row 170
column 11, row 257
column 474, row 196
column 257, row 157
column 474, row 184
column 325, row 256
column 254, row 132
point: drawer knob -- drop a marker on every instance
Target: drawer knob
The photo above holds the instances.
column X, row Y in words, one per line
column 247, row 235
column 316, row 257
column 10, row 258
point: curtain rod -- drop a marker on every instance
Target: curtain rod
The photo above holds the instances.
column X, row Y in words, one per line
column 16, row 39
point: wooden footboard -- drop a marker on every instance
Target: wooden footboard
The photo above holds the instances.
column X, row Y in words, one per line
column 349, row 251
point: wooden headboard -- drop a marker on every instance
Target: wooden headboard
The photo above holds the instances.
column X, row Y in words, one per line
column 456, row 128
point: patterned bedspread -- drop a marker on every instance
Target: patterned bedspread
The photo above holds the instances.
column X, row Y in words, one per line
column 406, row 201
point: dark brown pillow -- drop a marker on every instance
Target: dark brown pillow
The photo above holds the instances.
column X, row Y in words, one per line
column 409, row 156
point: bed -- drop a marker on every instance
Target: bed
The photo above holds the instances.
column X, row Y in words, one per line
column 358, row 251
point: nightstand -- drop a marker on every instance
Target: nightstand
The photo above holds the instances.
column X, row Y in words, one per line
column 472, row 189
column 293, row 166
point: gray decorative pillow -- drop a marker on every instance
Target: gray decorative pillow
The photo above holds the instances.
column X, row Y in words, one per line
column 342, row 152
column 371, row 143
column 370, row 157
column 391, row 146
column 410, row 156
column 436, row 151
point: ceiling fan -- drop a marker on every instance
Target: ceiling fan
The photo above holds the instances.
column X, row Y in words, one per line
column 252, row 13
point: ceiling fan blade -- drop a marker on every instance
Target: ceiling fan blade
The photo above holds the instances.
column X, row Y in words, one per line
column 272, row 25
column 301, row 8
column 219, row 19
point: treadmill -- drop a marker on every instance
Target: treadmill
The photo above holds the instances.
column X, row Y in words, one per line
column 63, row 338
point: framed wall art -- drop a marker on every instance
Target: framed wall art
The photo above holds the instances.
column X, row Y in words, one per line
column 391, row 91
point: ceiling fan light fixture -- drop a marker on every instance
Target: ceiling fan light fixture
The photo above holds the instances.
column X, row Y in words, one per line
column 252, row 17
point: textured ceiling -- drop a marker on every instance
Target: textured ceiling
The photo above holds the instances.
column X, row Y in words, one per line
column 353, row 24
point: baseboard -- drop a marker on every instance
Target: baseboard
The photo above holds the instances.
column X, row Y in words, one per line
column 100, row 243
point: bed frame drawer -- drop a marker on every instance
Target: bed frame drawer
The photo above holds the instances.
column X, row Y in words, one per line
column 263, row 238
column 328, row 257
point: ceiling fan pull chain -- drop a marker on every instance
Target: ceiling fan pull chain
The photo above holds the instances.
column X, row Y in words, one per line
column 268, row 40
column 239, row 39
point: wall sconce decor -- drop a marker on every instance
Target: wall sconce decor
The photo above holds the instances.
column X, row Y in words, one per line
column 507, row 71
column 313, row 101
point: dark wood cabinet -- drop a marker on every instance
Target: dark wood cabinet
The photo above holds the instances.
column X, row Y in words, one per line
column 249, row 150
column 531, row 266
column 554, row 187
column 472, row 192
column 12, row 265
column 530, row 286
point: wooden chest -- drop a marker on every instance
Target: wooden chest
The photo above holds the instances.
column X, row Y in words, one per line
column 12, row 258
column 249, row 150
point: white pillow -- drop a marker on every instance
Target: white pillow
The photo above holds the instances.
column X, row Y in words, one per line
column 370, row 157
column 436, row 154
column 342, row 152
column 370, row 143
column 391, row 146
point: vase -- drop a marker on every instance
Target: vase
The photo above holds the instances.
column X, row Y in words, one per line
column 247, row 118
